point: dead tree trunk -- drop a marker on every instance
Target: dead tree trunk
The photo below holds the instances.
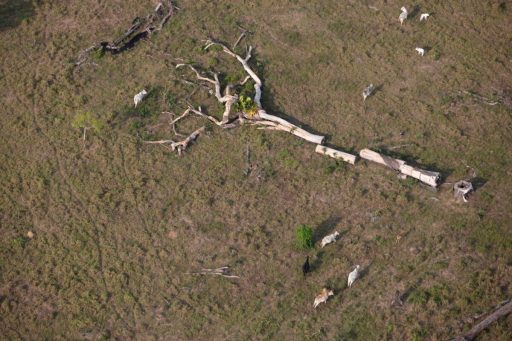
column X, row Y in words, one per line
column 428, row 177
column 502, row 311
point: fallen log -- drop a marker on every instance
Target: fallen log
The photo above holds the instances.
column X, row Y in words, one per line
column 140, row 28
column 500, row 312
column 428, row 177
column 336, row 154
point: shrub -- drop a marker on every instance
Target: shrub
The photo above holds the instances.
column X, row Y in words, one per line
column 304, row 237
column 86, row 121
column 19, row 242
column 246, row 105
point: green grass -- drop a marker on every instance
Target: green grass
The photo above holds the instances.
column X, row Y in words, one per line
column 304, row 237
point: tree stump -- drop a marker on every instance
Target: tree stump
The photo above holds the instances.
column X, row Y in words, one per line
column 462, row 189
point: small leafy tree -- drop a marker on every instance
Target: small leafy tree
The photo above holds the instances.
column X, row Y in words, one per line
column 304, row 237
column 86, row 121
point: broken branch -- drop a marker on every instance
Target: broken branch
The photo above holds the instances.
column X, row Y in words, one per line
column 181, row 145
column 481, row 98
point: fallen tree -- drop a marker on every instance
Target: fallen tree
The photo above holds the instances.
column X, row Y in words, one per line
column 141, row 28
column 239, row 109
column 247, row 109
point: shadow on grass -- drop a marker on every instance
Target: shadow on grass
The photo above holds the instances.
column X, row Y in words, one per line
column 414, row 12
column 410, row 289
column 325, row 228
column 478, row 182
column 13, row 12
column 317, row 261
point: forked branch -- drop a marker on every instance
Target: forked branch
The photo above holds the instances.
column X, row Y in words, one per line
column 179, row 146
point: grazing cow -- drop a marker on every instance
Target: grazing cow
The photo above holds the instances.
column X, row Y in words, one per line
column 353, row 276
column 403, row 15
column 368, row 91
column 322, row 297
column 139, row 97
column 330, row 238
column 306, row 267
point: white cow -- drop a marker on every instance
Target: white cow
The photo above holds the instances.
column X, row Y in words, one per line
column 420, row 51
column 424, row 16
column 139, row 97
column 353, row 276
column 403, row 15
column 330, row 238
column 368, row 91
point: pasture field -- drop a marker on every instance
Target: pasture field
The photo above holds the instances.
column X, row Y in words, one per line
column 118, row 225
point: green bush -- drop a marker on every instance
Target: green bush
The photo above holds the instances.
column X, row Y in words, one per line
column 304, row 237
column 246, row 105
